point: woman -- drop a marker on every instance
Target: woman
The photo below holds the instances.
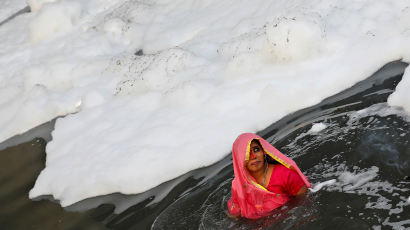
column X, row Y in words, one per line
column 265, row 179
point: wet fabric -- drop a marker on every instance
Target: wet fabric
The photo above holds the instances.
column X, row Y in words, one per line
column 250, row 199
column 285, row 181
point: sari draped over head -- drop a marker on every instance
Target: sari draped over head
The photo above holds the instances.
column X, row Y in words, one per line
column 250, row 199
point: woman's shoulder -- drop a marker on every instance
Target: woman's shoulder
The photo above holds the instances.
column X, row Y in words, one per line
column 279, row 176
column 288, row 178
column 281, row 169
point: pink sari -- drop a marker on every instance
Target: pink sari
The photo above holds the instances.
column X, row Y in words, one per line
column 250, row 199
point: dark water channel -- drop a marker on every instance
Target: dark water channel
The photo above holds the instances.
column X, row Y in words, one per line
column 364, row 150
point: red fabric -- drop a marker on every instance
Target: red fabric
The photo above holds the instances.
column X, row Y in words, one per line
column 285, row 181
column 249, row 199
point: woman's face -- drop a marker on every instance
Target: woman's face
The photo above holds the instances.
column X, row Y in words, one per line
column 255, row 164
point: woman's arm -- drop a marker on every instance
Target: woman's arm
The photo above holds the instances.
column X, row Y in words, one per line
column 295, row 185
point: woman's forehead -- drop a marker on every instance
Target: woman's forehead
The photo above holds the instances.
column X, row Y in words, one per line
column 255, row 142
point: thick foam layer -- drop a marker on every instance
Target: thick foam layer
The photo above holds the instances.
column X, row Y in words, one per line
column 163, row 87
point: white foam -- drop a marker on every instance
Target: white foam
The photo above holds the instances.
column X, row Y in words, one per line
column 36, row 5
column 54, row 19
column 402, row 93
column 396, row 225
column 319, row 186
column 353, row 181
column 364, row 182
column 380, row 109
column 317, row 127
column 210, row 70
column 10, row 7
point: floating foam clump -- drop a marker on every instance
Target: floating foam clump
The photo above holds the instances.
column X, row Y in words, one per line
column 319, row 186
column 317, row 128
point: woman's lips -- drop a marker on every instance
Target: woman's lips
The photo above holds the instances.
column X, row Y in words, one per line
column 256, row 162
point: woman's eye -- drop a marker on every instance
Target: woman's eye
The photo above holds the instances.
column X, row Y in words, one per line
column 255, row 149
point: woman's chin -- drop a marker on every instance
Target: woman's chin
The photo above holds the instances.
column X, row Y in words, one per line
column 255, row 168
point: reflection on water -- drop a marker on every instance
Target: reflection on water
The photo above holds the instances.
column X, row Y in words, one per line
column 363, row 149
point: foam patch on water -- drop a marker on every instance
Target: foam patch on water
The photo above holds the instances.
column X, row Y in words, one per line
column 320, row 185
column 161, row 88
column 317, row 127
column 363, row 182
column 350, row 182
column 380, row 109
column 396, row 225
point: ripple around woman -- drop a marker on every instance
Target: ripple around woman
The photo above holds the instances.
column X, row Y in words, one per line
column 265, row 179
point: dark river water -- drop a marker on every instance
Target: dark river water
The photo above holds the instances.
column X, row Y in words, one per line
column 363, row 154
